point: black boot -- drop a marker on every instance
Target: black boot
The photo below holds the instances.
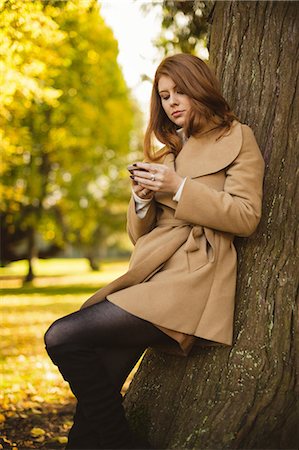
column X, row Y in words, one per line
column 81, row 435
column 100, row 403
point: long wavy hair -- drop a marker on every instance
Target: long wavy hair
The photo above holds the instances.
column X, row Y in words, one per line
column 193, row 77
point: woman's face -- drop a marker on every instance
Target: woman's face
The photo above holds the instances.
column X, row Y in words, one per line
column 175, row 104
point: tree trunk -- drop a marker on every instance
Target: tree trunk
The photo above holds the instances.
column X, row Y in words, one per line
column 93, row 262
column 243, row 396
column 31, row 254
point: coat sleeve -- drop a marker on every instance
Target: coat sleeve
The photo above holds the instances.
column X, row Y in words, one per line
column 236, row 209
column 137, row 227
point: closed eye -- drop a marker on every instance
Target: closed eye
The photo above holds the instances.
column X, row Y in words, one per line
column 166, row 97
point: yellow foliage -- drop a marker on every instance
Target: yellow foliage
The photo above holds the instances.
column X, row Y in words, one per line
column 26, row 48
column 64, row 108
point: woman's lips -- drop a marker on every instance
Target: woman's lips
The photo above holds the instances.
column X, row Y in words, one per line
column 177, row 113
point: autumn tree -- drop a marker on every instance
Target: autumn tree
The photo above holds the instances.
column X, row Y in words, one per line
column 28, row 39
column 244, row 396
column 66, row 123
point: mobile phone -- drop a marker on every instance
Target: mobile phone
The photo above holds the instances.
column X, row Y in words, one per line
column 131, row 168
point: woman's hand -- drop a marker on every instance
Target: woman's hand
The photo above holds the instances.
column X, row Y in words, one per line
column 156, row 177
column 141, row 191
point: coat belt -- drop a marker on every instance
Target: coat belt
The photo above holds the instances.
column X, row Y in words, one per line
column 192, row 242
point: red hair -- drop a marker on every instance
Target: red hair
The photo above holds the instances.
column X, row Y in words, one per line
column 193, row 77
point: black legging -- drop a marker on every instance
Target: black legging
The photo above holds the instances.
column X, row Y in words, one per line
column 95, row 349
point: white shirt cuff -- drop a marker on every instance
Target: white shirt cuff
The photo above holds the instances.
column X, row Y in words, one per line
column 178, row 194
column 141, row 205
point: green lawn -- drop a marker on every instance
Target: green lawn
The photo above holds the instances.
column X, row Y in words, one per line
column 36, row 404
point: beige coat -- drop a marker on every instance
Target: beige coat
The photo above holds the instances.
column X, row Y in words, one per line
column 182, row 273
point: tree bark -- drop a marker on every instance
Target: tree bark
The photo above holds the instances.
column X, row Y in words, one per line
column 244, row 396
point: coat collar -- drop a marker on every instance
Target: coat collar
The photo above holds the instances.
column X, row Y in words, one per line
column 204, row 155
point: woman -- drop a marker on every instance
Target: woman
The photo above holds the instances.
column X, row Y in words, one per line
column 188, row 201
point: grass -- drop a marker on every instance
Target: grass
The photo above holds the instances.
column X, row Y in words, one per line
column 36, row 404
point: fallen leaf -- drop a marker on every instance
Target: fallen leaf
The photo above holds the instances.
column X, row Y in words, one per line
column 36, row 432
column 6, row 441
column 11, row 414
column 38, row 398
column 35, row 411
column 2, row 418
column 62, row 439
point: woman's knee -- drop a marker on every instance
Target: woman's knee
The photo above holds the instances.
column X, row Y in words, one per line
column 55, row 334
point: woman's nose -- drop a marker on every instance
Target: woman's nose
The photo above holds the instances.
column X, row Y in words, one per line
column 173, row 99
